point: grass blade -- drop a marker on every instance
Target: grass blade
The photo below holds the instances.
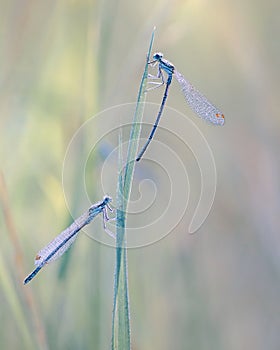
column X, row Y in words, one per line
column 120, row 321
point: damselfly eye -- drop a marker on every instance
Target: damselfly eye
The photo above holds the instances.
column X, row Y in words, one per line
column 157, row 56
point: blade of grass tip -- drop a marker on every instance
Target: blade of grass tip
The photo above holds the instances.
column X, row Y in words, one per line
column 136, row 129
column 120, row 320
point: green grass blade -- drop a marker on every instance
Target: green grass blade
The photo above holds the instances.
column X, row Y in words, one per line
column 136, row 129
column 120, row 321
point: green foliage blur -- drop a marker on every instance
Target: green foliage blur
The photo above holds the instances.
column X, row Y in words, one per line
column 64, row 61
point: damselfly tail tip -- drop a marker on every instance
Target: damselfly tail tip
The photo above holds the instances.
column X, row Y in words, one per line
column 26, row 281
column 139, row 157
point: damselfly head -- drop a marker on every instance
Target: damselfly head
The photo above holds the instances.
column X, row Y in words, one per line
column 158, row 56
column 107, row 199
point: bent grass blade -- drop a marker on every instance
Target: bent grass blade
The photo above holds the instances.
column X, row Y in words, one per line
column 120, row 317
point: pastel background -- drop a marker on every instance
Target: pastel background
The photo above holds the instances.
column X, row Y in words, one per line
column 63, row 62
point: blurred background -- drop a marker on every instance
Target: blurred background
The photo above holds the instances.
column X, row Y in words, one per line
column 64, row 61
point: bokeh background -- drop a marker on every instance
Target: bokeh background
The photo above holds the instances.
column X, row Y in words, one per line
column 64, row 61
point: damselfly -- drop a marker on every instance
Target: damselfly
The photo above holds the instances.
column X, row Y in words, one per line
column 198, row 102
column 66, row 238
